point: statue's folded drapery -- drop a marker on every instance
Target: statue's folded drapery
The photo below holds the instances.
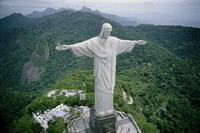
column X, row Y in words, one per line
column 104, row 66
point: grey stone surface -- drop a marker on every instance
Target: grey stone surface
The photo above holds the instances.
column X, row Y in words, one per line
column 124, row 122
column 31, row 73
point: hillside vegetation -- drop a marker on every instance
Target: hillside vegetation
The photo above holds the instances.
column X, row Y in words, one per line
column 162, row 76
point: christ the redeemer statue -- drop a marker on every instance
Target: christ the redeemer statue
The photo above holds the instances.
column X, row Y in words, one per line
column 104, row 49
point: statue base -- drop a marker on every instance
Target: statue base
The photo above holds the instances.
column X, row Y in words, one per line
column 103, row 124
column 118, row 122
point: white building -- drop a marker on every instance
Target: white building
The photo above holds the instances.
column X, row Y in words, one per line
column 43, row 118
column 70, row 92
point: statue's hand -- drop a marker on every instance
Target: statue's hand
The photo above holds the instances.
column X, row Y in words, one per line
column 141, row 42
column 62, row 47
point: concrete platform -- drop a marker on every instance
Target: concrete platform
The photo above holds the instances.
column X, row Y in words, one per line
column 126, row 124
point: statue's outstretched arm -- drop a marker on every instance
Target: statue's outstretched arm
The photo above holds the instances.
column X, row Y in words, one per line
column 79, row 49
column 141, row 42
column 62, row 47
column 65, row 47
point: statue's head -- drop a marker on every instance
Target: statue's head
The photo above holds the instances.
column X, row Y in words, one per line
column 105, row 31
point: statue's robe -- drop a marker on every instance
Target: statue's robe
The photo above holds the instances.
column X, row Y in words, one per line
column 104, row 55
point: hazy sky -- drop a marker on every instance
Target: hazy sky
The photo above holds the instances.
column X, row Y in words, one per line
column 155, row 11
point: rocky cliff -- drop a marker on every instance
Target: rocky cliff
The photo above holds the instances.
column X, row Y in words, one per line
column 32, row 69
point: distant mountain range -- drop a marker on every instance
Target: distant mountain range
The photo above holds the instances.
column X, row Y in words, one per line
column 121, row 20
column 126, row 21
column 115, row 18
column 46, row 12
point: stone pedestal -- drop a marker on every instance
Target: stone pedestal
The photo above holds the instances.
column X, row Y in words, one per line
column 103, row 124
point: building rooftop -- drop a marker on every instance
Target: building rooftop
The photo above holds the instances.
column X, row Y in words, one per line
column 60, row 113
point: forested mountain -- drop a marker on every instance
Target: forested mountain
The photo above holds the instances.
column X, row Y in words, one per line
column 16, row 20
column 162, row 76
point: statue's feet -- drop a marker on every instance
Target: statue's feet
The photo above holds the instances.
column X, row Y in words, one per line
column 110, row 111
column 102, row 113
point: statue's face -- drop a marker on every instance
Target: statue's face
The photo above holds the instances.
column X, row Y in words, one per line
column 107, row 32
